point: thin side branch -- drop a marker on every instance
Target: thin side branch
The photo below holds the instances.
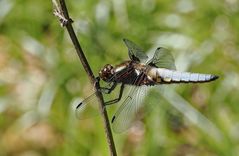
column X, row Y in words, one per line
column 62, row 13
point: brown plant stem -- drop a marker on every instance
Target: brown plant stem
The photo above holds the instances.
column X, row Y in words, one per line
column 62, row 13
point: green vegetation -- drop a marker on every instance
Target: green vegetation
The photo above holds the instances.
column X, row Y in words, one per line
column 41, row 77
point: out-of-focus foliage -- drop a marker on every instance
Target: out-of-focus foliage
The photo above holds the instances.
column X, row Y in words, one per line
column 42, row 79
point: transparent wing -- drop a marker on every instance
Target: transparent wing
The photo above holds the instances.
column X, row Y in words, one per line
column 126, row 113
column 88, row 107
column 162, row 59
column 135, row 52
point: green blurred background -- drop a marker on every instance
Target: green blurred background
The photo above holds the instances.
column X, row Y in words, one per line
column 42, row 79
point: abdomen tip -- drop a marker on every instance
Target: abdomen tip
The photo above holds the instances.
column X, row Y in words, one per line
column 214, row 77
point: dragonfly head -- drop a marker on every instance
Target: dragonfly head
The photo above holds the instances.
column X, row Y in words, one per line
column 106, row 72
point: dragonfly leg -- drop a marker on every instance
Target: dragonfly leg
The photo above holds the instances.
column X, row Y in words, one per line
column 117, row 99
column 105, row 89
column 108, row 90
column 97, row 80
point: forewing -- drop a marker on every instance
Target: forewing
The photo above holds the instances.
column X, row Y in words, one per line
column 162, row 59
column 88, row 107
column 135, row 52
column 126, row 113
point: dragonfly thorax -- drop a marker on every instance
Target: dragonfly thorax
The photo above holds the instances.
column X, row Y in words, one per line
column 107, row 72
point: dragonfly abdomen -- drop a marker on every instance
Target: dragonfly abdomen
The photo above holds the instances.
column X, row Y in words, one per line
column 171, row 76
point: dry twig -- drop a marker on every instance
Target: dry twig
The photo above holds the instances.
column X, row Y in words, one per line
column 62, row 13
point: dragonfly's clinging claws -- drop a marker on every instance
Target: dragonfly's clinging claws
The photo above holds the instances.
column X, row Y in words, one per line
column 96, row 84
column 97, row 80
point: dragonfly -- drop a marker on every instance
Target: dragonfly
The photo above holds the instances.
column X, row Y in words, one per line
column 139, row 73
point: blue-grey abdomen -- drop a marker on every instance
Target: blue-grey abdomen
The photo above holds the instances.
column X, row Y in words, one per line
column 161, row 75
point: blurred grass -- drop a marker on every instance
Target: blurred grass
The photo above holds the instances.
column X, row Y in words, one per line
column 41, row 76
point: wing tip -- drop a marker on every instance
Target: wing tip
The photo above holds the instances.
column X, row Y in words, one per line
column 78, row 105
column 113, row 119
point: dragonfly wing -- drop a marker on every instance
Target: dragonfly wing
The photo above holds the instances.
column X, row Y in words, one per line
column 126, row 113
column 88, row 107
column 162, row 59
column 135, row 52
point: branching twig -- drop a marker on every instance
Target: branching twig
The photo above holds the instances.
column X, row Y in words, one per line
column 62, row 13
